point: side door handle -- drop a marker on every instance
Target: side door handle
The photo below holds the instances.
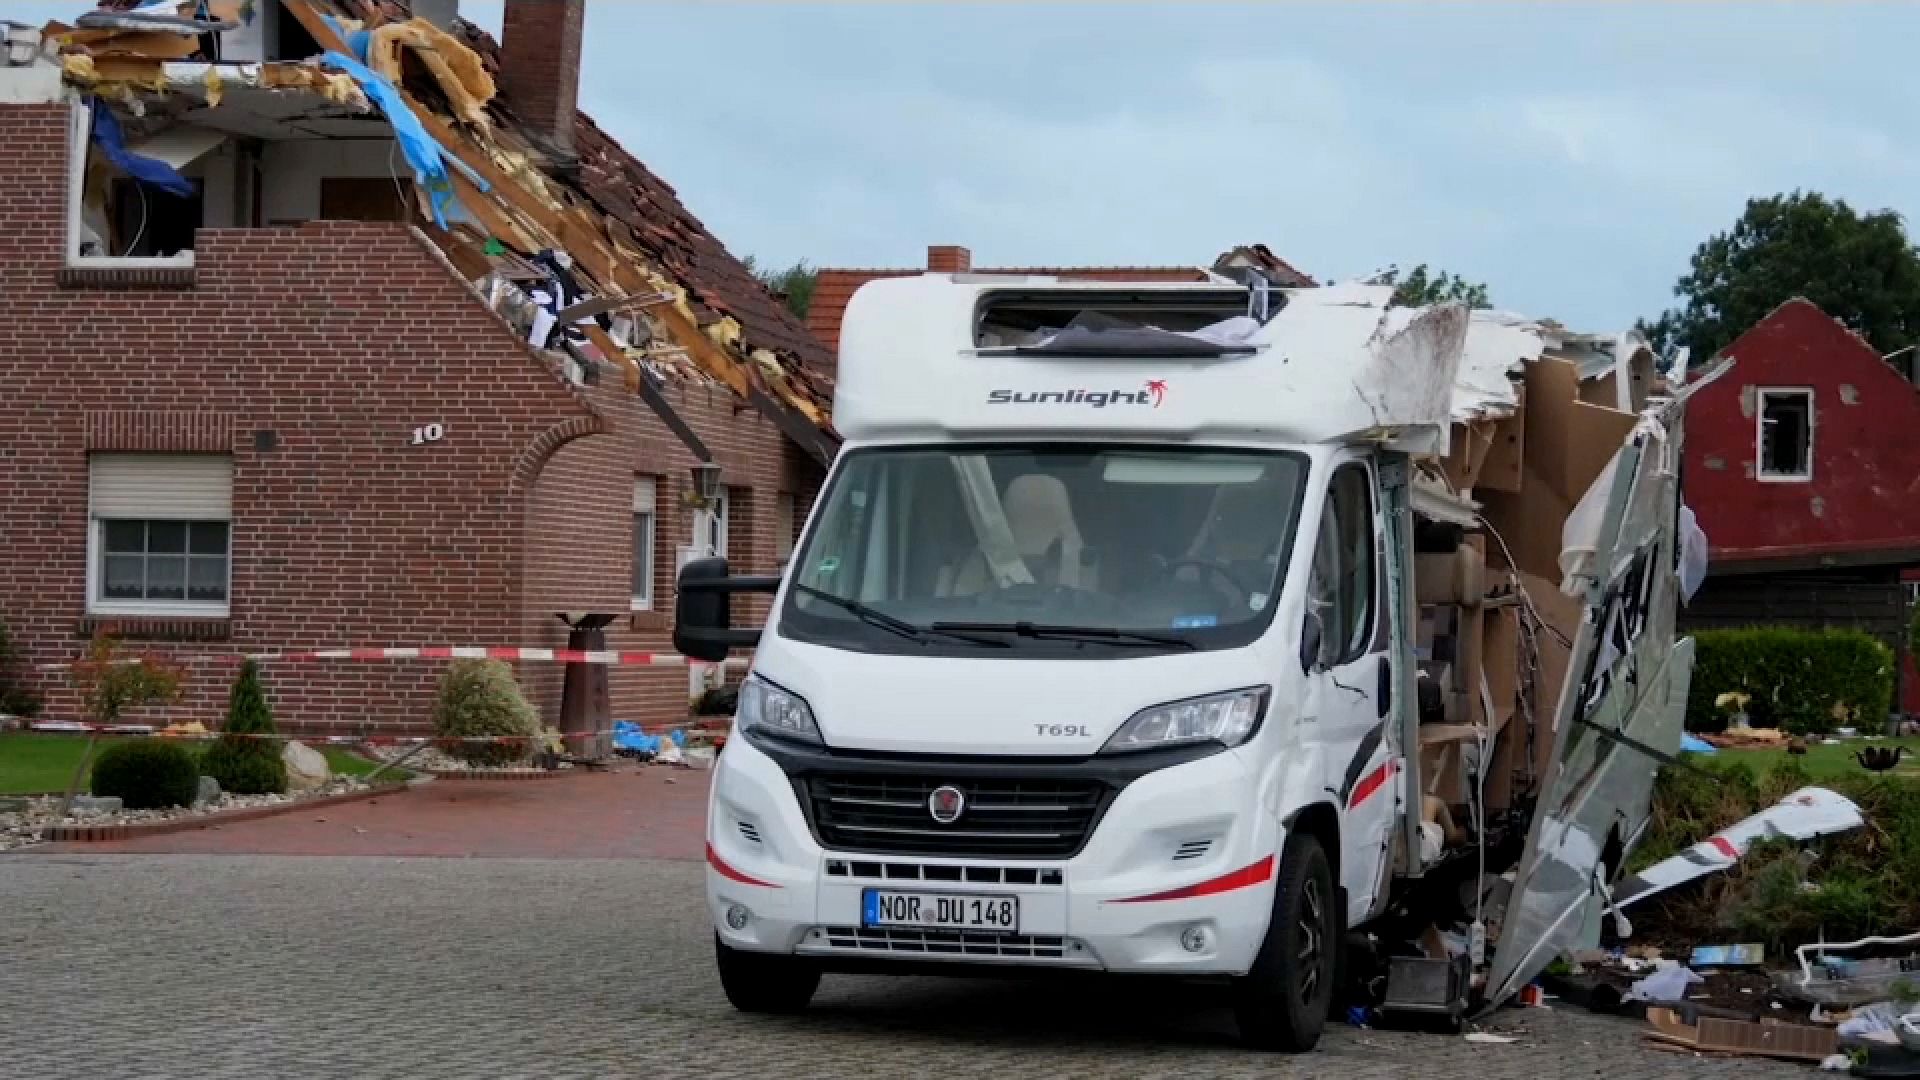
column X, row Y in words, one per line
column 1384, row 695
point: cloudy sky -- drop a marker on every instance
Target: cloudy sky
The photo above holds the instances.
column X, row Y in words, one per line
column 1571, row 156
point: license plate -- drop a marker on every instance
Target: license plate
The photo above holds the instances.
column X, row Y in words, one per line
column 957, row 911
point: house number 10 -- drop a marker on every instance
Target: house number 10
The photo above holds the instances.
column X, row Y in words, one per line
column 430, row 433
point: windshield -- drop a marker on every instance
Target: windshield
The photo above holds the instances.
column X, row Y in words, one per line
column 1046, row 550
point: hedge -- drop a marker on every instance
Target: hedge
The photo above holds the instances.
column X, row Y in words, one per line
column 1807, row 682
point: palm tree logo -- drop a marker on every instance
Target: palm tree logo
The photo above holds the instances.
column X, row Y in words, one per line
column 1158, row 388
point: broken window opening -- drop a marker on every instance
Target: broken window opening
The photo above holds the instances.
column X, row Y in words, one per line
column 138, row 192
column 1785, row 450
column 1197, row 323
column 148, row 224
column 365, row 198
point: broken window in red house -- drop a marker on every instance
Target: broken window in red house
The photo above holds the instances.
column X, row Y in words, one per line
column 1786, row 435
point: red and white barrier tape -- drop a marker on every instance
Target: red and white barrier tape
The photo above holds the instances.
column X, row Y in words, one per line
column 445, row 652
column 76, row 728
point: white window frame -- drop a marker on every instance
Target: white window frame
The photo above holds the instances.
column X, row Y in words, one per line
column 646, row 502
column 80, row 132
column 1760, row 434
column 99, row 604
column 716, row 522
column 785, row 506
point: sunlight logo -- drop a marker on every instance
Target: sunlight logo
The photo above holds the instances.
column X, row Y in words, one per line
column 1152, row 396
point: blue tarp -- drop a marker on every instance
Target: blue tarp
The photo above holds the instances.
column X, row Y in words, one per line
column 1694, row 744
column 150, row 171
column 423, row 153
column 628, row 736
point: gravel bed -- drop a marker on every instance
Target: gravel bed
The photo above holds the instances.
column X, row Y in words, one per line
column 20, row 827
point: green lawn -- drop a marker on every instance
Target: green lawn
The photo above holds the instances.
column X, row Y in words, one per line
column 1822, row 761
column 32, row 763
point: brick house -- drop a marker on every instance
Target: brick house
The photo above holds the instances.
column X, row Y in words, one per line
column 293, row 408
column 835, row 286
column 1801, row 468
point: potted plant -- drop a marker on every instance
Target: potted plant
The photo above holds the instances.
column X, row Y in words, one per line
column 1734, row 704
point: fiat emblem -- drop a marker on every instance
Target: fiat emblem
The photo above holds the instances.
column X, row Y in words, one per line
column 946, row 803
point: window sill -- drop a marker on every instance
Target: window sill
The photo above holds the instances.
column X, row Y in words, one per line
column 140, row 274
column 173, row 627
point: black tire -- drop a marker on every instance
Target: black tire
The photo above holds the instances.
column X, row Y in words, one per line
column 1282, row 1003
column 765, row 982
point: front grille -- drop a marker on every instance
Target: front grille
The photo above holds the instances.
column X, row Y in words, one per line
column 905, row 941
column 1031, row 818
column 972, row 875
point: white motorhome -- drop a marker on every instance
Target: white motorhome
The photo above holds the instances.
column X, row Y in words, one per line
column 1102, row 648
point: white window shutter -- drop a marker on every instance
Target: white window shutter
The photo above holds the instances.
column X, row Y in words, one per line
column 178, row 487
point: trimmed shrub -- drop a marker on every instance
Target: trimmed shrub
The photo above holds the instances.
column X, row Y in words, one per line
column 147, row 774
column 480, row 697
column 1806, row 682
column 247, row 766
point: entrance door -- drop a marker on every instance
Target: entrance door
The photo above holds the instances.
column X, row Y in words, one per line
column 709, row 538
column 1348, row 678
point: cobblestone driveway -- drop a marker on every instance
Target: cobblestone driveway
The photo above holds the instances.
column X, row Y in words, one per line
column 238, row 966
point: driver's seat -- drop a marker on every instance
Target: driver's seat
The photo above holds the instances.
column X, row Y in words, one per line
column 1040, row 516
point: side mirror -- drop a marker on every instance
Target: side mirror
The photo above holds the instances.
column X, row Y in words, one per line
column 702, row 615
column 703, row 610
column 1311, row 636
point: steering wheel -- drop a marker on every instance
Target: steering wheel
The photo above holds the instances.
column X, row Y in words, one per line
column 1209, row 566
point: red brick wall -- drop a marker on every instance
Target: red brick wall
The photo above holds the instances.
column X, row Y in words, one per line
column 540, row 64
column 580, row 530
column 1864, row 493
column 340, row 339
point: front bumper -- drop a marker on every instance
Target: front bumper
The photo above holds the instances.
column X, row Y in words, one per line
column 1187, row 847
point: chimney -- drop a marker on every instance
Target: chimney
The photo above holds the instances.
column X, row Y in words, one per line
column 540, row 67
column 440, row 13
column 948, row 259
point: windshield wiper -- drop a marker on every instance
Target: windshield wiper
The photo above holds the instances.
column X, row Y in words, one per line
column 1108, row 634
column 873, row 616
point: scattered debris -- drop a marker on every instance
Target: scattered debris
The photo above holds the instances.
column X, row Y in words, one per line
column 1669, row 982
column 1807, row 813
column 1749, row 955
column 1763, row 1038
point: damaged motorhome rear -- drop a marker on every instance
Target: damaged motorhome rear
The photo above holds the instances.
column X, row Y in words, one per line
column 1201, row 630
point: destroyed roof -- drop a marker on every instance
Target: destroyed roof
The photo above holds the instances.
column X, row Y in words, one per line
column 625, row 229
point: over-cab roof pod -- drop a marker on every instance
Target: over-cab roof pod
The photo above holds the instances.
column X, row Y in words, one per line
column 949, row 356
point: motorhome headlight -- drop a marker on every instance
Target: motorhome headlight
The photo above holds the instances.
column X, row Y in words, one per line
column 775, row 711
column 1230, row 718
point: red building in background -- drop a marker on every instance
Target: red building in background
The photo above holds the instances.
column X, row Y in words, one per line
column 1803, row 468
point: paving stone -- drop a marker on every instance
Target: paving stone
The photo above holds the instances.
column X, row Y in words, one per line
column 213, row 966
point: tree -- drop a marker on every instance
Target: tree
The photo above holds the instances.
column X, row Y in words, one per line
column 247, row 760
column 1860, row 269
column 792, row 286
column 1424, row 289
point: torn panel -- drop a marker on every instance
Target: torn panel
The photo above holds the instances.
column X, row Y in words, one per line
column 1621, row 709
